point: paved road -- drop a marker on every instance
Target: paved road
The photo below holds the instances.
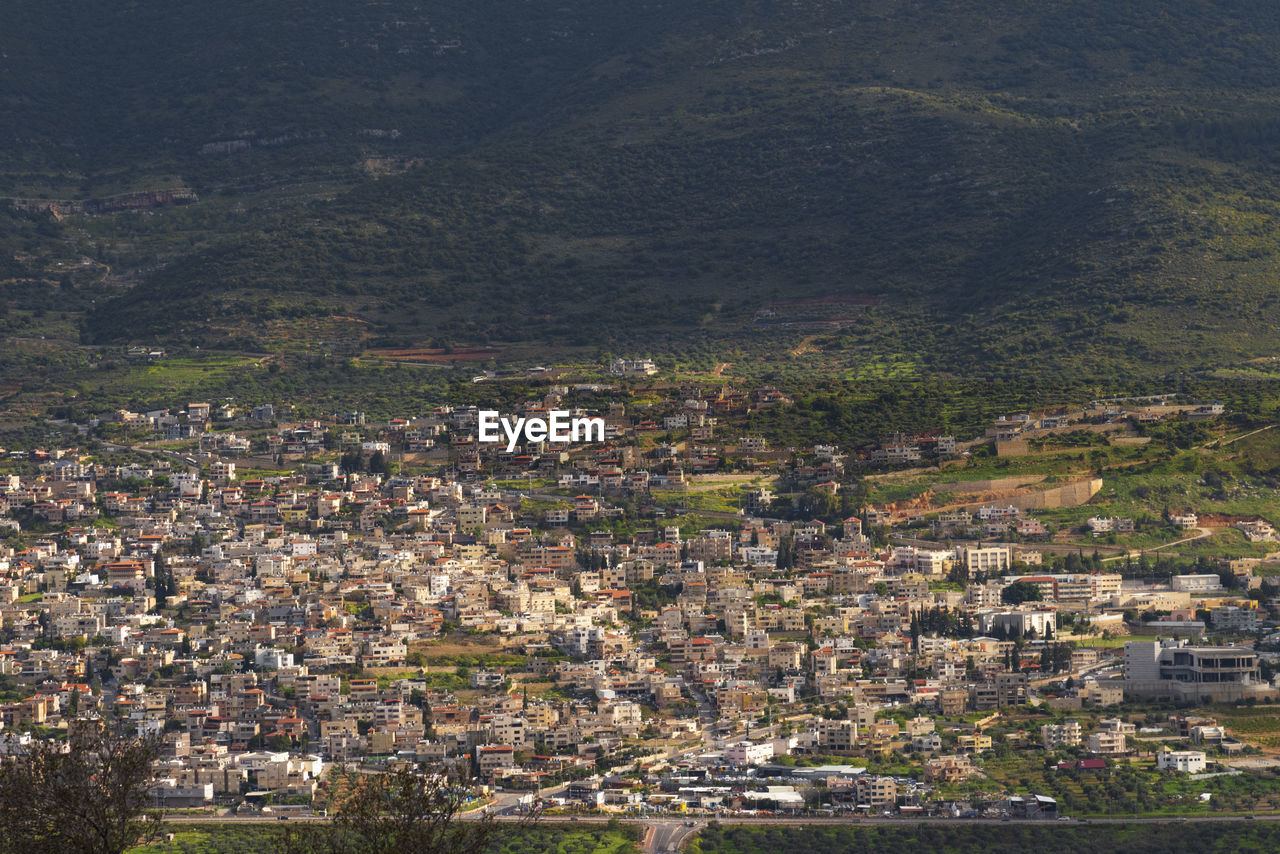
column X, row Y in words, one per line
column 1057, row 548
column 1115, row 552
column 707, row 718
column 673, row 830
column 669, row 836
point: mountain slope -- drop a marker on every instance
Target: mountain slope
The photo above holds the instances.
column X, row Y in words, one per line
column 1080, row 186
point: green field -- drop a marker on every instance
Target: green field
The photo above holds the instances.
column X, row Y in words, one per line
column 544, row 839
column 958, row 838
column 1139, row 790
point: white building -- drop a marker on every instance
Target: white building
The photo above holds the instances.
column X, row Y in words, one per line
column 270, row 658
column 1195, row 583
column 987, row 514
column 933, row 562
column 759, row 555
column 1020, row 622
column 986, row 559
column 633, row 368
column 1186, row 761
column 743, row 753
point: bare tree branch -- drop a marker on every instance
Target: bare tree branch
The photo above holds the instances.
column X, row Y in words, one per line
column 402, row 811
column 88, row 795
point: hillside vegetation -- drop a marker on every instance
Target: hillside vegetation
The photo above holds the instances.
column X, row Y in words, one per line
column 1012, row 189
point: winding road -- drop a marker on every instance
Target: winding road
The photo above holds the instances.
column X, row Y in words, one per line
column 668, row 836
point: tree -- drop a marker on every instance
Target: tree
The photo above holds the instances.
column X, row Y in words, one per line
column 165, row 585
column 818, row 502
column 1019, row 592
column 786, row 554
column 87, row 795
column 351, row 462
column 197, row 544
column 402, row 811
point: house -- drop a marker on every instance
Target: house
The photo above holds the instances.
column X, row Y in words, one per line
column 492, row 758
column 1054, row 736
column 1182, row 761
column 744, row 753
column 948, row 769
column 876, row 791
column 633, row 367
column 1106, row 742
column 1033, row 806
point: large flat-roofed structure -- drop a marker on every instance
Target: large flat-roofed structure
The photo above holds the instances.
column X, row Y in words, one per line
column 1196, row 583
column 1079, row 587
column 1180, row 672
column 1187, row 761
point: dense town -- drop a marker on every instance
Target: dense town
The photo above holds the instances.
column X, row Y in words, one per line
column 272, row 597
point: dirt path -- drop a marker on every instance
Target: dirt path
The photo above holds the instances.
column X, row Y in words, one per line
column 1203, row 532
column 711, row 482
column 805, row 346
column 1226, row 442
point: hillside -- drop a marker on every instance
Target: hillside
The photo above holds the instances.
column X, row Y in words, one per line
column 1000, row 188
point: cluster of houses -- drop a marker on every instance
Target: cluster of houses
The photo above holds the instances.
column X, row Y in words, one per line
column 265, row 627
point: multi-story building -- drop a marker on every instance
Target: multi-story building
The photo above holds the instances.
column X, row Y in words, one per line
column 1106, row 742
column 948, row 769
column 1011, row 689
column 826, row 736
column 987, row 559
column 1054, row 736
column 492, row 758
column 1073, row 588
column 1234, row 619
column 974, row 743
column 743, row 753
column 1172, row 669
column 876, row 791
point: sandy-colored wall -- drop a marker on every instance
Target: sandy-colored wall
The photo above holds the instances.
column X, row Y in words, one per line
column 1070, row 495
